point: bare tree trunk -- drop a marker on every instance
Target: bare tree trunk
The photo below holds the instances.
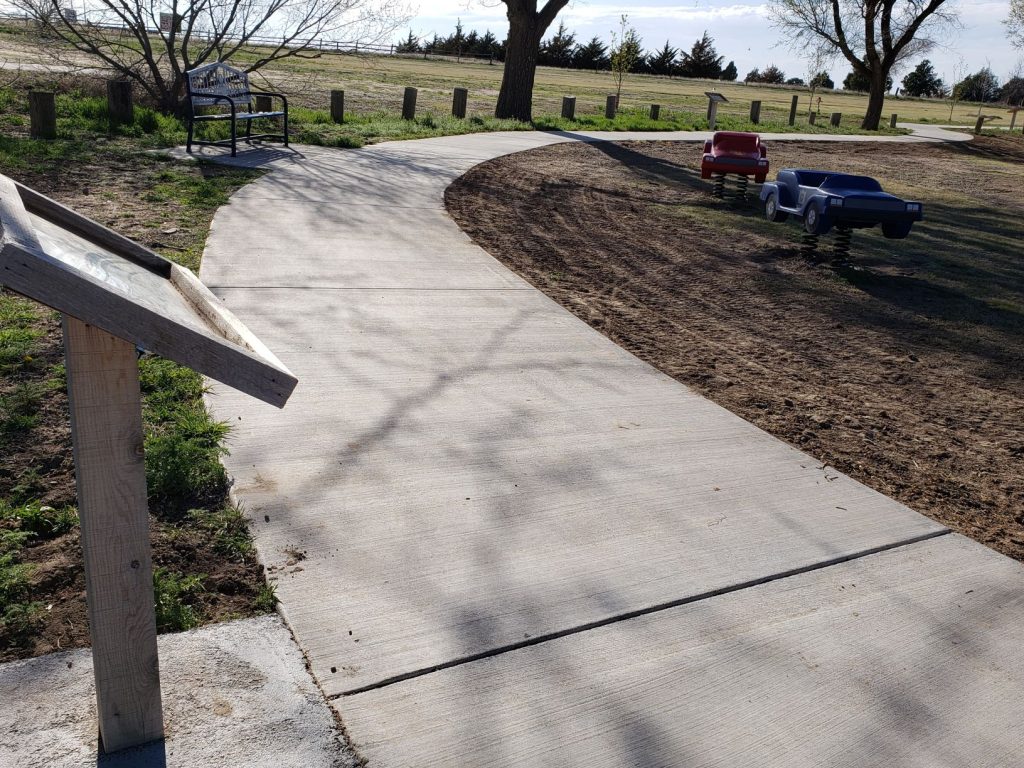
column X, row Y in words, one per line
column 515, row 100
column 876, row 101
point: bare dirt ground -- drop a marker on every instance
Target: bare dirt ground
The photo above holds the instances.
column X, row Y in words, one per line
column 904, row 370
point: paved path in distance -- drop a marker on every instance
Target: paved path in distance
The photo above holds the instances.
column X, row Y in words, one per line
column 501, row 539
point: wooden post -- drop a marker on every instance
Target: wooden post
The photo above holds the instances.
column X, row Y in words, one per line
column 755, row 112
column 119, row 102
column 792, row 110
column 892, row 120
column 610, row 106
column 812, row 117
column 569, row 107
column 409, row 104
column 106, row 431
column 338, row 106
column 263, row 103
column 655, row 111
column 1013, row 118
column 42, row 113
column 979, row 124
column 712, row 115
column 836, row 119
column 460, row 96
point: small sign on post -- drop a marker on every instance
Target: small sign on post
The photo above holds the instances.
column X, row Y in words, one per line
column 569, row 107
column 117, row 296
column 714, row 99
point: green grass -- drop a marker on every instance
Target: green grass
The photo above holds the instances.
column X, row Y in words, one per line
column 183, row 443
column 228, row 530
column 176, row 598
column 18, row 612
column 38, row 520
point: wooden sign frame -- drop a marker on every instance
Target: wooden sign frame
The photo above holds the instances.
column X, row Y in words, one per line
column 117, row 296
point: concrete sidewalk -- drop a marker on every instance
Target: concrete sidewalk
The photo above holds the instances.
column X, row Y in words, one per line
column 469, row 479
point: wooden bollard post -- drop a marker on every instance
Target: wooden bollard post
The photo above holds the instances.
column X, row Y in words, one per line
column 338, row 106
column 460, row 97
column 892, row 120
column 712, row 115
column 836, row 119
column 119, row 102
column 610, row 106
column 812, row 117
column 655, row 111
column 106, row 430
column 979, row 124
column 1013, row 118
column 755, row 112
column 42, row 114
column 263, row 103
column 569, row 107
column 409, row 104
column 792, row 110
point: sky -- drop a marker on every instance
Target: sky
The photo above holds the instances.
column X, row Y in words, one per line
column 739, row 27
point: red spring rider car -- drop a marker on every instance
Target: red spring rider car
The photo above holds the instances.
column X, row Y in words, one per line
column 732, row 152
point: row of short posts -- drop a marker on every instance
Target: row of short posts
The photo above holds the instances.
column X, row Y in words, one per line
column 42, row 109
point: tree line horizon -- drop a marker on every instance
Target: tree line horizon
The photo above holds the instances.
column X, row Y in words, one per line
column 564, row 51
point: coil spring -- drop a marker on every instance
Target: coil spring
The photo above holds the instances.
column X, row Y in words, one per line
column 809, row 245
column 741, row 189
column 718, row 185
column 841, row 246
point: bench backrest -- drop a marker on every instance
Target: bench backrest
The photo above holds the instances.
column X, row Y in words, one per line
column 218, row 79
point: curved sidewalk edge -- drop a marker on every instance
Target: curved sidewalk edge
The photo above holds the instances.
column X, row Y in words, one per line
column 471, row 479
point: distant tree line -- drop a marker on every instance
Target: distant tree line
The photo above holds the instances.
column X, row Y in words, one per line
column 563, row 50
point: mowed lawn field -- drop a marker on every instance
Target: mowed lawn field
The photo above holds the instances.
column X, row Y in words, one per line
column 375, row 83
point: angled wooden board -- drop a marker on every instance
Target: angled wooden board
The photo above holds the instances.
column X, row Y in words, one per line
column 911, row 657
column 69, row 262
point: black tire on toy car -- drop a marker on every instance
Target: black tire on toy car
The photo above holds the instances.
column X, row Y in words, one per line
column 896, row 230
column 771, row 209
column 814, row 222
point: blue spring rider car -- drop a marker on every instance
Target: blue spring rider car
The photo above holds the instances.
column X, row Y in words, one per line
column 823, row 200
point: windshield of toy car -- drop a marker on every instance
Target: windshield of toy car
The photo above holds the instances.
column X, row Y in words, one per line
column 846, row 181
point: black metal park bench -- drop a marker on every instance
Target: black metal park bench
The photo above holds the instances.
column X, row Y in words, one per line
column 219, row 85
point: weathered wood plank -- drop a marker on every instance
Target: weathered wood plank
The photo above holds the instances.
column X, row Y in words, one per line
column 42, row 115
column 106, row 429
column 911, row 657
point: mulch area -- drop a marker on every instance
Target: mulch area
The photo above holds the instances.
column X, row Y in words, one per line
column 904, row 371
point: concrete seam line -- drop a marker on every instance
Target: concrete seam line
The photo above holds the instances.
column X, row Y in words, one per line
column 638, row 613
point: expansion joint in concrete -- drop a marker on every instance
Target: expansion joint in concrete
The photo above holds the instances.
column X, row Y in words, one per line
column 540, row 639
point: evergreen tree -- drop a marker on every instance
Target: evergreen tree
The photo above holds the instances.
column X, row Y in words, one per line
column 795, row 81
column 557, row 51
column 702, row 60
column 730, row 72
column 858, row 82
column 983, row 86
column 923, row 81
column 411, row 44
column 753, row 76
column 1012, row 93
column 822, row 80
column 488, row 45
column 773, row 74
column 663, row 62
column 593, row 55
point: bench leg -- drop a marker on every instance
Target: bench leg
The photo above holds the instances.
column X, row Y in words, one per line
column 234, row 139
column 248, row 131
column 188, row 142
column 286, row 127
